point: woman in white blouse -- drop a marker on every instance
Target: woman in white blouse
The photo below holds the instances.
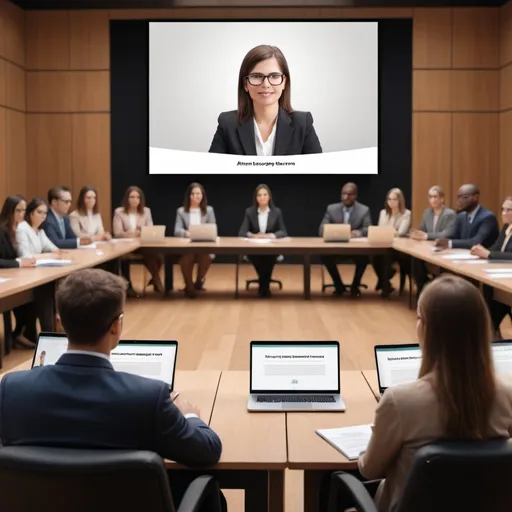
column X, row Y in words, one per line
column 31, row 240
column 393, row 214
column 128, row 221
column 195, row 210
column 86, row 219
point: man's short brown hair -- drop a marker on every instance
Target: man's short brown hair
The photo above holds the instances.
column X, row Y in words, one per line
column 88, row 302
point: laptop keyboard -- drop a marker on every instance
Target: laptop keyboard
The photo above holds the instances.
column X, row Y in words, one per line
column 296, row 398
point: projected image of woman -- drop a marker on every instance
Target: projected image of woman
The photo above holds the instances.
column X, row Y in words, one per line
column 265, row 123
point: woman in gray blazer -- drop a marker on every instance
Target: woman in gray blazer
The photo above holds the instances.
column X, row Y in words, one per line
column 194, row 211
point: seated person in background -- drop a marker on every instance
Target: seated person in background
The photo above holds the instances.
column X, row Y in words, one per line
column 57, row 225
column 436, row 220
column 500, row 250
column 82, row 402
column 474, row 224
column 31, row 239
column 263, row 220
column 195, row 210
column 349, row 211
column 86, row 219
column 12, row 213
column 397, row 215
column 454, row 397
column 128, row 221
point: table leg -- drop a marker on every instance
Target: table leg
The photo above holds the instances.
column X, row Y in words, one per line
column 169, row 273
column 411, row 280
column 7, row 334
column 307, row 276
column 276, row 491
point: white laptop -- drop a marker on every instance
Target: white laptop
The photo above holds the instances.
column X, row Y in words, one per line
column 337, row 232
column 152, row 234
column 381, row 234
column 203, row 232
column 151, row 359
column 295, row 376
column 400, row 364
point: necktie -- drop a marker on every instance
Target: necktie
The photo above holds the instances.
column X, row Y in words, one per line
column 346, row 216
column 62, row 228
column 467, row 227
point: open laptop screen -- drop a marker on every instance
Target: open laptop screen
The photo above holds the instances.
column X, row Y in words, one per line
column 151, row 359
column 502, row 355
column 397, row 364
column 295, row 367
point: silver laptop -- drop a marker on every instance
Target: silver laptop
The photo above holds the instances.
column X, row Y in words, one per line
column 152, row 234
column 400, row 364
column 147, row 358
column 381, row 234
column 203, row 232
column 337, row 232
column 295, row 376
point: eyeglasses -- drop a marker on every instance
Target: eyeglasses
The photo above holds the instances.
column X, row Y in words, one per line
column 258, row 78
column 66, row 201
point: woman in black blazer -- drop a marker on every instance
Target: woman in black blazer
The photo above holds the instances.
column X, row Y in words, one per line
column 263, row 220
column 265, row 123
column 501, row 250
column 13, row 212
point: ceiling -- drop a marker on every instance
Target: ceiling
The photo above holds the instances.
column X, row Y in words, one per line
column 159, row 4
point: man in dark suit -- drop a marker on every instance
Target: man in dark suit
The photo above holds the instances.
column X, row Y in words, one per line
column 82, row 402
column 349, row 211
column 294, row 135
column 474, row 224
column 57, row 226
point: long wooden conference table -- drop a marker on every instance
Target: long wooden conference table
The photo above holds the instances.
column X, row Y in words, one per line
column 258, row 447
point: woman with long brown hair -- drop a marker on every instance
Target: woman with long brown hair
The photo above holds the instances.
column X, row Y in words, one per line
column 265, row 123
column 129, row 219
column 456, row 396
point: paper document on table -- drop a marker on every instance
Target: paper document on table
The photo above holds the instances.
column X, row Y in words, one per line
column 119, row 240
column 89, row 246
column 53, row 263
column 459, row 256
column 505, row 275
column 4, row 279
column 350, row 441
column 498, row 270
column 479, row 262
column 359, row 239
column 258, row 240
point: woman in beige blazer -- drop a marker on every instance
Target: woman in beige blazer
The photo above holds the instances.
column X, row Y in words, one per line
column 128, row 221
column 393, row 214
column 86, row 219
column 457, row 394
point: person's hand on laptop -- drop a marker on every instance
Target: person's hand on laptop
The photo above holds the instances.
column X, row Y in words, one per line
column 186, row 407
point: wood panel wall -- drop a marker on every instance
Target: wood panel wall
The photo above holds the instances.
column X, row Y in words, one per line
column 458, row 112
column 13, row 169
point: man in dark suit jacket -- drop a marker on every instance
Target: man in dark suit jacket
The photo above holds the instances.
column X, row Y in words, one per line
column 57, row 226
column 295, row 134
column 82, row 402
column 474, row 224
column 349, row 211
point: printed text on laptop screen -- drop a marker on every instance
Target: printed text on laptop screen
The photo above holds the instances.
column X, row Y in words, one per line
column 304, row 367
column 398, row 366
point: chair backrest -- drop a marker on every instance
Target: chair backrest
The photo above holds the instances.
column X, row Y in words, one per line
column 63, row 480
column 460, row 475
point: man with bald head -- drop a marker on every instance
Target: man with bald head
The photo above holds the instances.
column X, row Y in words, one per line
column 475, row 225
column 349, row 211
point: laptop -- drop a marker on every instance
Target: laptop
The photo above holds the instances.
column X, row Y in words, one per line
column 337, row 232
column 147, row 358
column 295, row 376
column 400, row 364
column 381, row 234
column 203, row 232
column 152, row 233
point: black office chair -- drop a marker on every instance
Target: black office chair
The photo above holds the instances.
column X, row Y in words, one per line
column 64, row 480
column 248, row 282
column 447, row 476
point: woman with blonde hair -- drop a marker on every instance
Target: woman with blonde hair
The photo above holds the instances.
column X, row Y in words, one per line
column 456, row 396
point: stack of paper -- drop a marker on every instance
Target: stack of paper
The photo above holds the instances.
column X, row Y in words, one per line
column 460, row 256
column 350, row 441
column 90, row 246
column 499, row 273
column 52, row 263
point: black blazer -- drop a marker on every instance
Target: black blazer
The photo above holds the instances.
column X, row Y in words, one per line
column 295, row 135
column 483, row 230
column 495, row 250
column 8, row 253
column 82, row 402
column 275, row 223
column 52, row 229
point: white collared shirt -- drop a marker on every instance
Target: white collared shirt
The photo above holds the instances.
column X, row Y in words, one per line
column 264, row 148
column 195, row 216
column 263, row 219
column 508, row 235
column 132, row 218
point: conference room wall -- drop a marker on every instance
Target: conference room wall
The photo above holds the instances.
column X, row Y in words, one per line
column 456, row 83
column 13, row 175
column 506, row 101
